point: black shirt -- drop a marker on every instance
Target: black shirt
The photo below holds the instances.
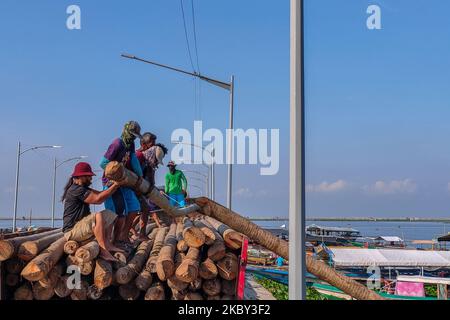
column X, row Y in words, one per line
column 75, row 208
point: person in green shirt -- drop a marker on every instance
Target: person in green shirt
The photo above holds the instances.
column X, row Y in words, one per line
column 176, row 185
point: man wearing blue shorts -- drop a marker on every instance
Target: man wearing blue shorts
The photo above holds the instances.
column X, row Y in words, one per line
column 124, row 201
column 176, row 186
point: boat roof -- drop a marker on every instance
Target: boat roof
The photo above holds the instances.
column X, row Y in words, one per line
column 431, row 280
column 424, row 242
column 444, row 238
column 336, row 229
column 352, row 257
column 389, row 238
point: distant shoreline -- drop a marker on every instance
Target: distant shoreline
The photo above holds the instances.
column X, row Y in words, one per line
column 348, row 219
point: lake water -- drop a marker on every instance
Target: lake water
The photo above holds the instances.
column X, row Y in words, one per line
column 405, row 230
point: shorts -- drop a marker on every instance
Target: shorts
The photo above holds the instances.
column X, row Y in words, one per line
column 122, row 202
column 84, row 229
column 176, row 200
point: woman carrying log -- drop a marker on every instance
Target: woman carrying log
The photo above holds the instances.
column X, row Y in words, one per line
column 79, row 223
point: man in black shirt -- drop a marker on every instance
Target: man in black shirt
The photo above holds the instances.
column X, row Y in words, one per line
column 79, row 224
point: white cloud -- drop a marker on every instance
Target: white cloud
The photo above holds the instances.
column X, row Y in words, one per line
column 249, row 193
column 326, row 187
column 405, row 186
column 243, row 193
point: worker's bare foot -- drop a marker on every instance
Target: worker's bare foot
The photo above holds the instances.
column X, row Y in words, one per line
column 105, row 255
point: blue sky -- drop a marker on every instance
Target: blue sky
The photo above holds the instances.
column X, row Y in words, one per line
column 377, row 102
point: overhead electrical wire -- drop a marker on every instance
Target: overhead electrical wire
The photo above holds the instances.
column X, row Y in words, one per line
column 195, row 35
column 186, row 36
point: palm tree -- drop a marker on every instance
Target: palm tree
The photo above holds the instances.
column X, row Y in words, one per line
column 281, row 247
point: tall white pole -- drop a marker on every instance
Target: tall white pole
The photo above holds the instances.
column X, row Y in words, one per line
column 297, row 269
column 213, row 191
column 230, row 147
column 16, row 191
column 54, row 193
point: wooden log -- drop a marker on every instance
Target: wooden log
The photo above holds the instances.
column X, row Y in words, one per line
column 71, row 260
column 70, row 247
column 155, row 292
column 228, row 267
column 88, row 252
column 228, row 287
column 81, row 293
column 196, row 284
column 94, row 293
column 12, row 280
column 208, row 269
column 217, row 250
column 129, row 291
column 134, row 267
column 193, row 296
column 178, row 295
column 212, row 287
column 188, row 269
column 149, row 228
column 115, row 171
column 144, row 280
column 179, row 257
column 28, row 250
column 84, row 268
column 62, row 289
column 103, row 274
column 87, row 268
column 9, row 247
column 193, row 236
column 157, row 245
column 232, row 238
column 42, row 293
column 5, row 236
column 181, row 244
column 24, row 292
column 122, row 259
column 38, row 268
column 210, row 236
column 174, row 283
column 50, row 280
column 14, row 266
column 165, row 265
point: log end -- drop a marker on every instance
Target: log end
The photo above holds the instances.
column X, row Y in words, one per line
column 6, row 250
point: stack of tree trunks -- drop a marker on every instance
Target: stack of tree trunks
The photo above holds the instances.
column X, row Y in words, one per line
column 194, row 258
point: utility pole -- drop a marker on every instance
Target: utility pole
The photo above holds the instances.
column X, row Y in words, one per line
column 297, row 263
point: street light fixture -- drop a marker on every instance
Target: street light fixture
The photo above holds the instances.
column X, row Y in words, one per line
column 16, row 191
column 56, row 165
column 195, row 186
column 224, row 85
column 204, row 176
column 211, row 170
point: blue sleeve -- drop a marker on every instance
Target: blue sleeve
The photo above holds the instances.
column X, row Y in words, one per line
column 136, row 165
column 103, row 163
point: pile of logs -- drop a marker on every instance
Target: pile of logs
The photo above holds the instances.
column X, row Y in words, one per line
column 194, row 258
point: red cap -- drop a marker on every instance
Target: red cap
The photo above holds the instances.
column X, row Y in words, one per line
column 82, row 169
